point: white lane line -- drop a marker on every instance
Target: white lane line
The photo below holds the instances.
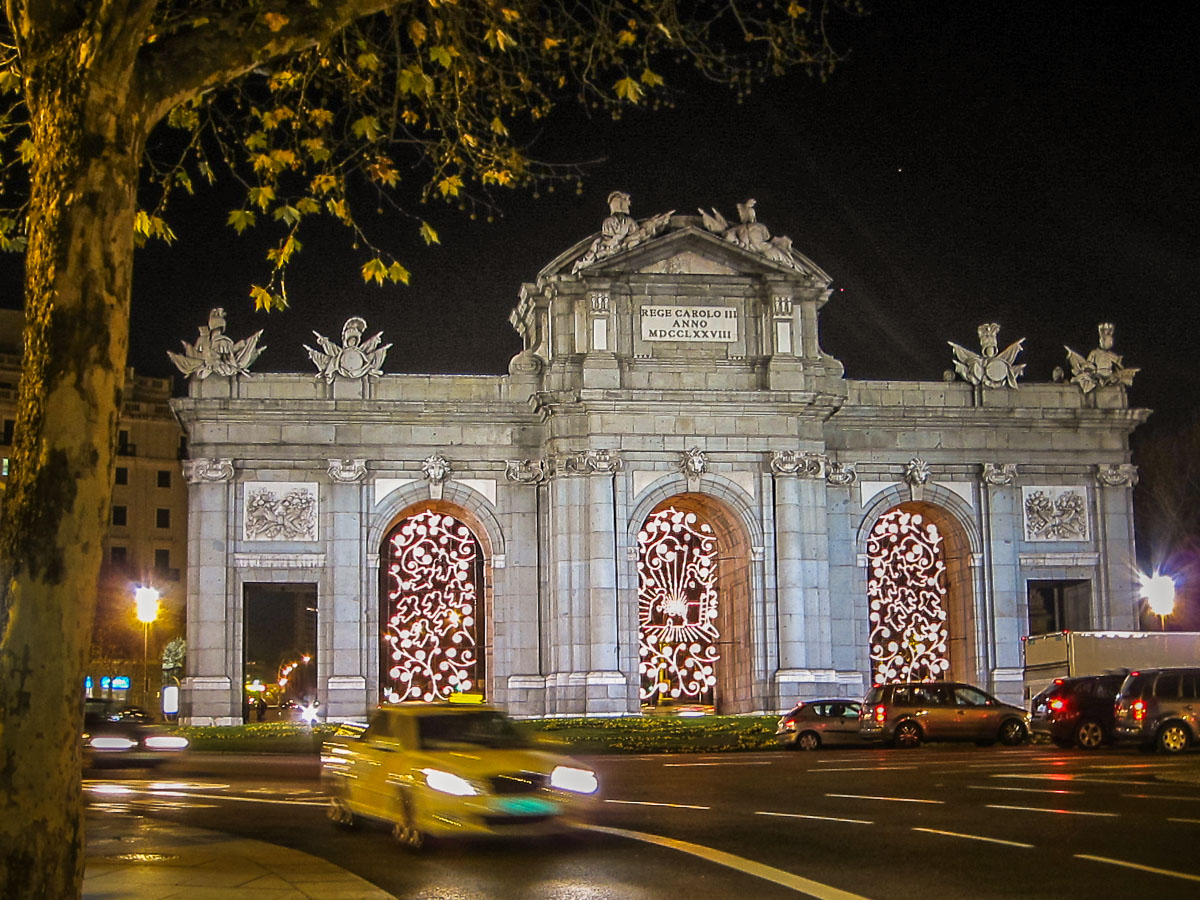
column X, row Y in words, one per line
column 1058, row 776
column 893, row 799
column 689, row 765
column 975, row 837
column 784, row 815
column 653, row 803
column 1138, row 866
column 861, row 769
column 1001, row 787
column 1158, row 797
column 1187, row 821
column 737, row 863
column 1064, row 812
column 145, row 796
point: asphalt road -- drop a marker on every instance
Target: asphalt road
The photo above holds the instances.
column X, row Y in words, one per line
column 939, row 821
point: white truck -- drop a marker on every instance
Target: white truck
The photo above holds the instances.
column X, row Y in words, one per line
column 1066, row 654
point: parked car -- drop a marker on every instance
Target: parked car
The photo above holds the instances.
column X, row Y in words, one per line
column 1077, row 712
column 904, row 715
column 121, row 736
column 817, row 723
column 434, row 770
column 1160, row 708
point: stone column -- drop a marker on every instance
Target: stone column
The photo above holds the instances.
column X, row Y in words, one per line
column 1000, row 604
column 343, row 665
column 802, row 548
column 1117, row 599
column 210, row 696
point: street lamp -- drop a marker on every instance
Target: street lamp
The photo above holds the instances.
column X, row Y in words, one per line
column 146, row 602
column 1159, row 591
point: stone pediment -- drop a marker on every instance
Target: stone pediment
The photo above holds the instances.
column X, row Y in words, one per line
column 670, row 244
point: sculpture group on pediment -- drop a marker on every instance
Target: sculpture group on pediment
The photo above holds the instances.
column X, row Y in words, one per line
column 1101, row 367
column 215, row 353
column 990, row 368
column 355, row 358
column 751, row 234
column 621, row 231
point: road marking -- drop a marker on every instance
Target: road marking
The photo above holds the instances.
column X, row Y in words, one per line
column 687, row 765
column 146, row 795
column 1158, row 797
column 1138, row 866
column 1065, row 812
column 652, row 803
column 975, row 837
column 862, row 769
column 1001, row 787
column 1059, row 776
column 1188, row 821
column 893, row 799
column 784, row 815
column 737, row 863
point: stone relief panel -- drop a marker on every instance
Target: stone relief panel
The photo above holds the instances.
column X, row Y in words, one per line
column 204, row 470
column 1055, row 513
column 279, row 511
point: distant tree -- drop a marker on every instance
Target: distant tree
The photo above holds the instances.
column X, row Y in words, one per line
column 303, row 102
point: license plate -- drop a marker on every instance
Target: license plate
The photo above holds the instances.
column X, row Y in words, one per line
column 526, row 806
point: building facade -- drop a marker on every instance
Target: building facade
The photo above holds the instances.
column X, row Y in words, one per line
column 674, row 499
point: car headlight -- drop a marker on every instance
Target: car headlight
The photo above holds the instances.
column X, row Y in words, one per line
column 449, row 783
column 570, row 778
column 102, row 742
column 166, row 742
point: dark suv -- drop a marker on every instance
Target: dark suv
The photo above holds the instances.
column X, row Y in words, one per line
column 1078, row 711
column 904, row 715
column 1160, row 708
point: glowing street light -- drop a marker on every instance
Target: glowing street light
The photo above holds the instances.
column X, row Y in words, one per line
column 1159, row 592
column 145, row 601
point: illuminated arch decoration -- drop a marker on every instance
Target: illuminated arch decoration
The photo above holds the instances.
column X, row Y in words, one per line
column 430, row 617
column 677, row 609
column 906, row 587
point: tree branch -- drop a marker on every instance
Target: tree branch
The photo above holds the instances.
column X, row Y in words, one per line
column 186, row 64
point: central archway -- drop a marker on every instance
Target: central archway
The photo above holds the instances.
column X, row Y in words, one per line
column 693, row 607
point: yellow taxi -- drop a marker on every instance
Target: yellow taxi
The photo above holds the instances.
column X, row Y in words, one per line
column 447, row 769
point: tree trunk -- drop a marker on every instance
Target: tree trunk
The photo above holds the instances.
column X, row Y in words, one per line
column 88, row 141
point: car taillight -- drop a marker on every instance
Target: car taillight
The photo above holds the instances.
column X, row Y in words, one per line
column 1139, row 710
column 1058, row 704
column 880, row 714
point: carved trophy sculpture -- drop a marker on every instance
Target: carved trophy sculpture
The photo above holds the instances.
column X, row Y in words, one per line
column 215, row 353
column 989, row 368
column 620, row 231
column 1101, row 367
column 356, row 358
column 751, row 234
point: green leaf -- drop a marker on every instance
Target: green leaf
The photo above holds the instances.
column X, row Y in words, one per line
column 628, row 89
column 367, row 127
column 241, row 219
column 368, row 61
column 651, row 79
column 442, row 55
column 450, row 186
column 262, row 196
column 263, row 300
column 286, row 213
column 397, row 273
column 430, row 236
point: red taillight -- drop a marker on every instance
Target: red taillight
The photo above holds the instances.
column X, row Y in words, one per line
column 1139, row 710
column 1058, row 704
column 880, row 713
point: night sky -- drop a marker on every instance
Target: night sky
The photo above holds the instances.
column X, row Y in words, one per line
column 1023, row 163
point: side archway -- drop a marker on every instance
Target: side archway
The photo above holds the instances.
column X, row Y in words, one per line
column 435, row 601
column 920, row 593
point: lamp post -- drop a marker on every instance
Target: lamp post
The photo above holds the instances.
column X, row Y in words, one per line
column 146, row 603
column 1159, row 591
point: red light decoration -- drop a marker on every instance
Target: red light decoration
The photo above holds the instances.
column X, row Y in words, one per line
column 677, row 609
column 430, row 618
column 909, row 640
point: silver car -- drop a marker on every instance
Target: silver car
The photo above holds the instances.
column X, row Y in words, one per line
column 816, row 723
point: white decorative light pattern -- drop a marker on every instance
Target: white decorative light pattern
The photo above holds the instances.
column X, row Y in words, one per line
column 907, row 591
column 677, row 609
column 430, row 611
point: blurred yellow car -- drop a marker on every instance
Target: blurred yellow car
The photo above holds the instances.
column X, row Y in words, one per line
column 442, row 770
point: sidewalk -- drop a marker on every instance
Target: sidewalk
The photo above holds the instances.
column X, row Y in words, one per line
column 136, row 858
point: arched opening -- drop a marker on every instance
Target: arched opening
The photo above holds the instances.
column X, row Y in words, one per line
column 919, row 590
column 693, row 607
column 433, row 596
